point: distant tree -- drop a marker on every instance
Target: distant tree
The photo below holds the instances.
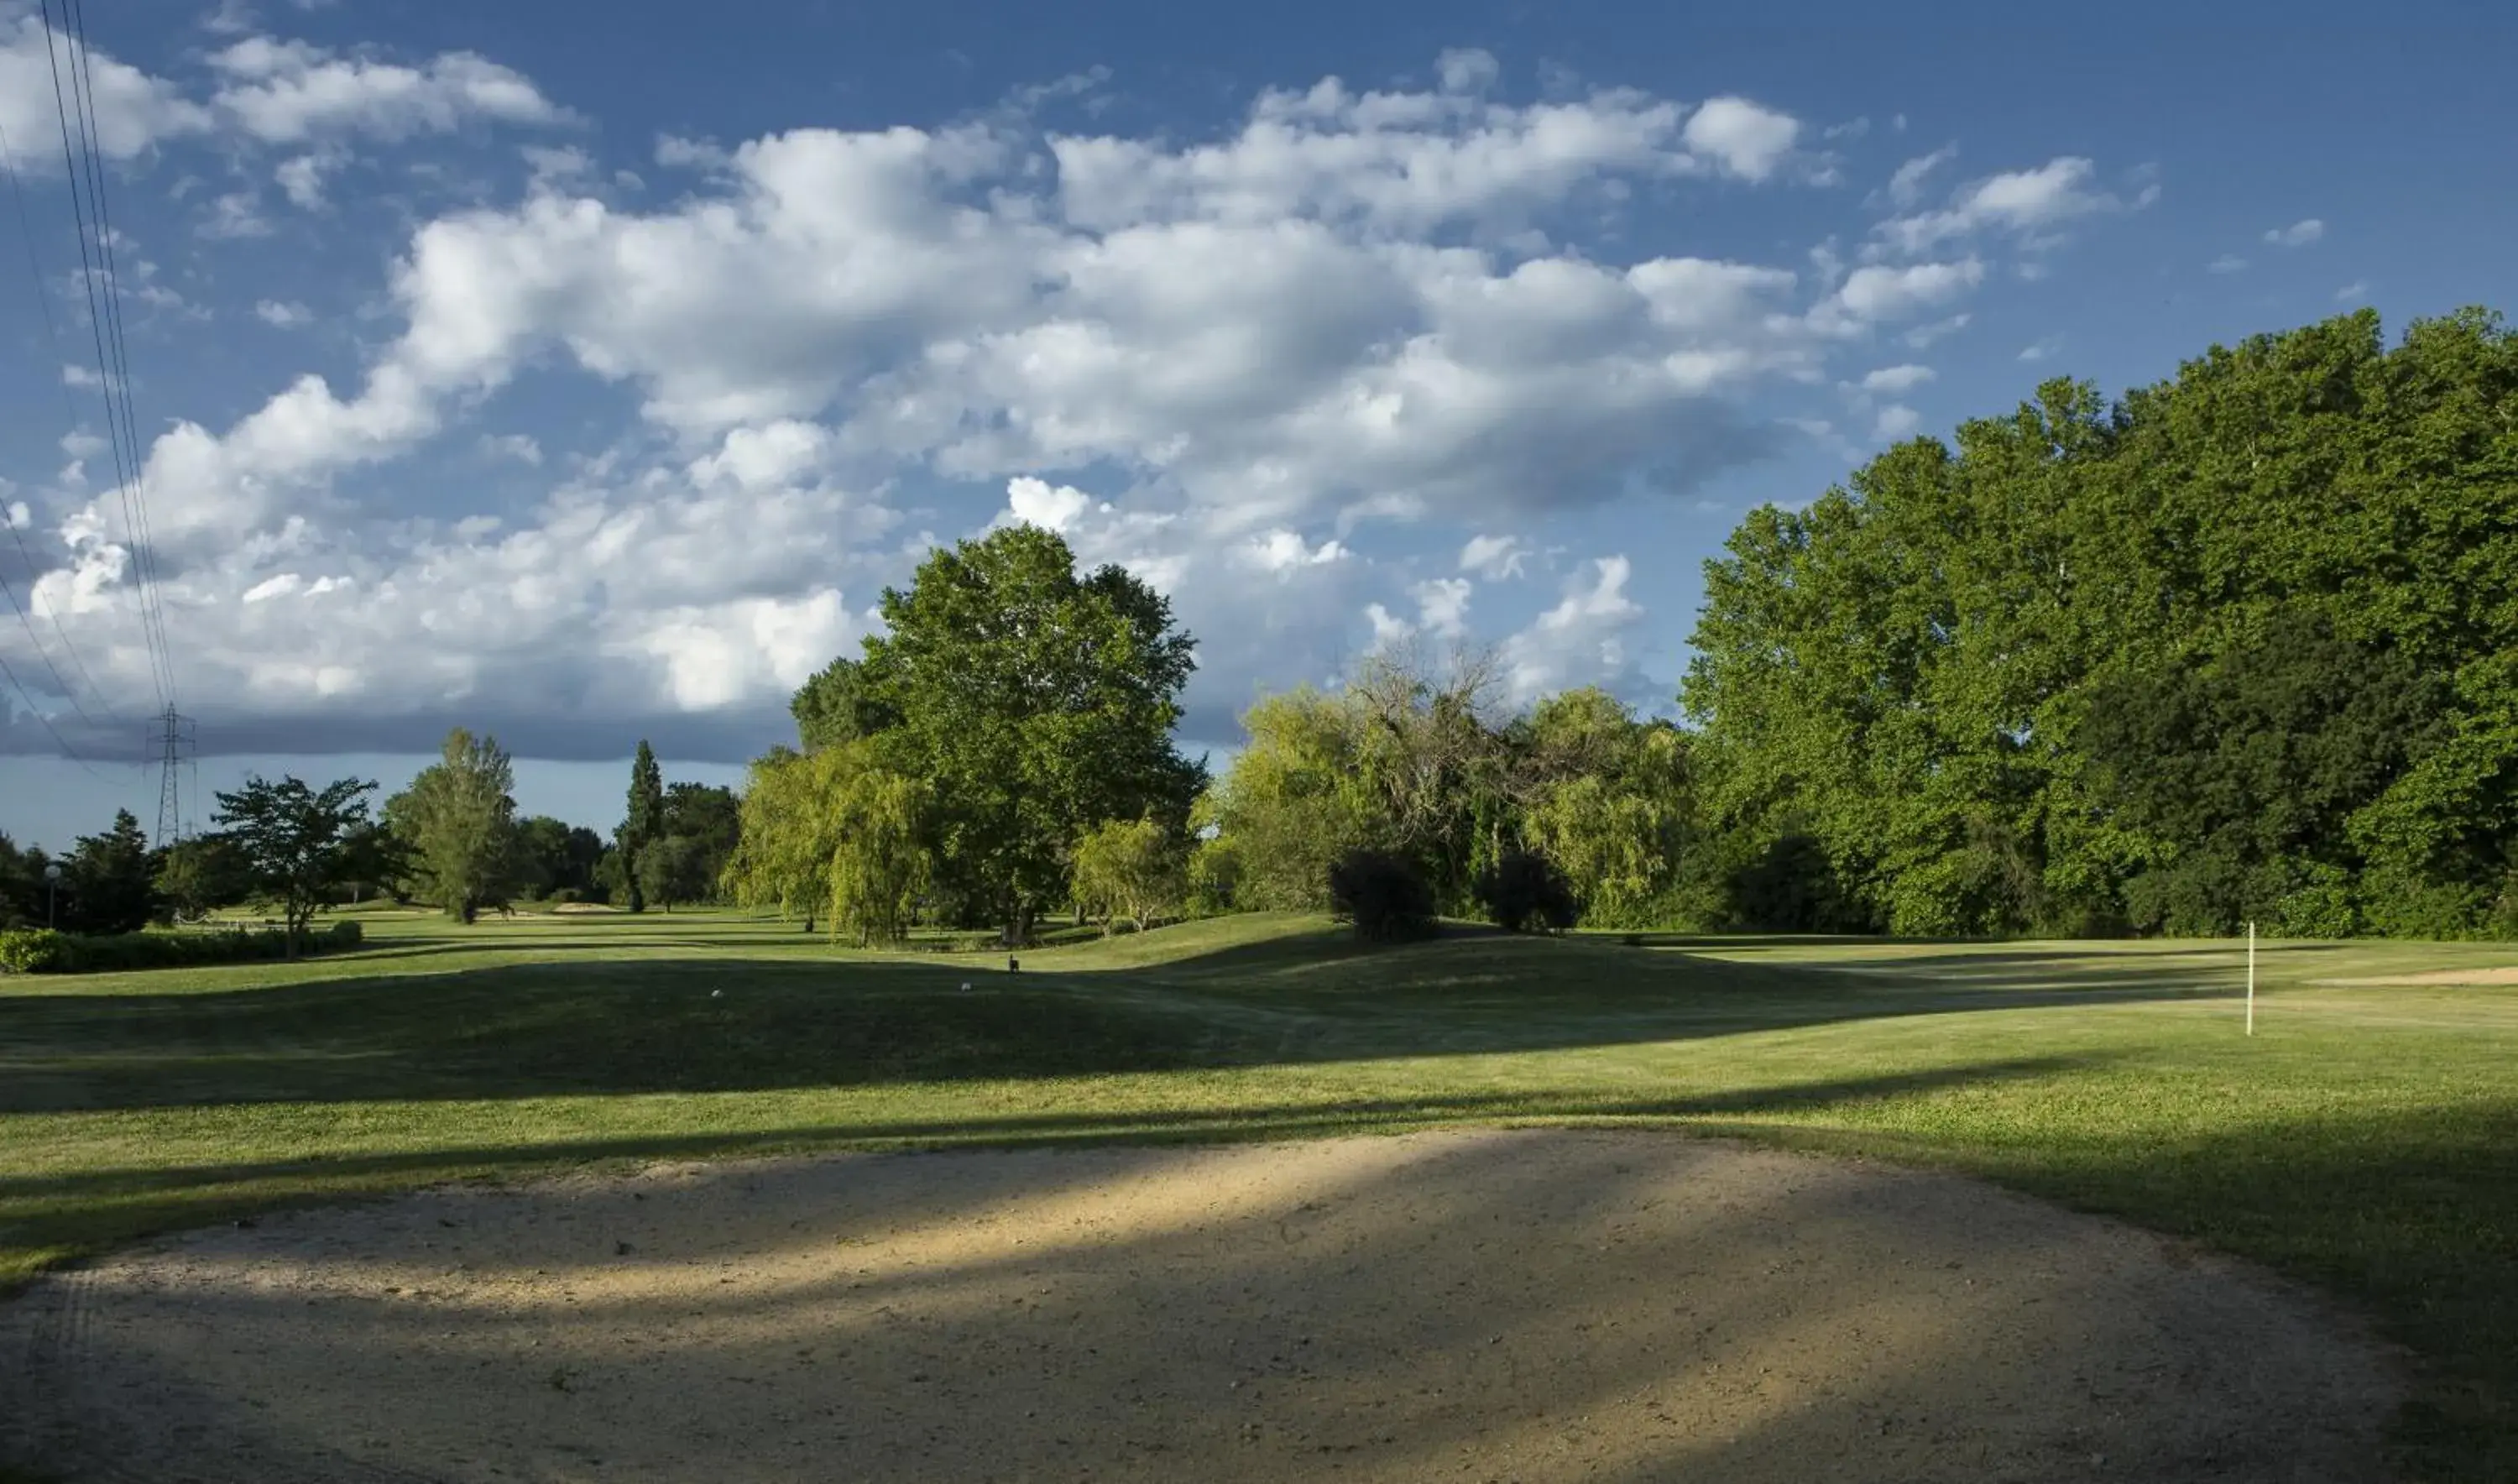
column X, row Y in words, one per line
column 109, row 880
column 382, row 865
column 834, row 832
column 585, row 854
column 458, row 821
column 612, row 875
column 1383, row 893
column 297, row 845
column 1134, row 869
column 1524, row 889
column 202, row 874
column 1605, row 797
column 557, row 856
column 541, row 856
column 1430, row 770
column 782, row 856
column 1290, row 805
column 22, row 885
column 711, row 818
column 882, row 863
column 673, row 872
column 645, row 820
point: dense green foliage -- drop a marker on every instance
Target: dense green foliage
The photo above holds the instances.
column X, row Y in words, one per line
column 201, row 875
column 299, row 844
column 109, row 880
column 836, row 832
column 39, row 952
column 1009, row 708
column 1130, row 868
column 1382, row 893
column 558, row 859
column 1428, row 771
column 456, row 827
column 644, row 821
column 1524, row 889
column 2242, row 646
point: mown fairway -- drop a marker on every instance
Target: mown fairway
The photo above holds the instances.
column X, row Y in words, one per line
column 2362, row 1140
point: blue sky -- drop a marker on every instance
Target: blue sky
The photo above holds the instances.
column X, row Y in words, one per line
column 583, row 375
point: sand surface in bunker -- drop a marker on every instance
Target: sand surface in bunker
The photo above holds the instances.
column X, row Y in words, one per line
column 1493, row 1304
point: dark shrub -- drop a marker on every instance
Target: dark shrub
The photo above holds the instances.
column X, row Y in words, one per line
column 1382, row 893
column 1523, row 889
column 45, row 952
column 1791, row 887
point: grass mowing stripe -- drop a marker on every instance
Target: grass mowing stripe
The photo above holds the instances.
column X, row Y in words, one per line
column 2360, row 1141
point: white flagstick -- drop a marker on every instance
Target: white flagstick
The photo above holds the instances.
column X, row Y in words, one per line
column 2251, row 978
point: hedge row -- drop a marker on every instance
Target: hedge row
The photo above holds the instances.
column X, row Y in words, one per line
column 41, row 950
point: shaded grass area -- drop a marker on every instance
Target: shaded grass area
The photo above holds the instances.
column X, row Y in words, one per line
column 2362, row 1140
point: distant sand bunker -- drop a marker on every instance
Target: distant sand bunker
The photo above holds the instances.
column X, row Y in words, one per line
column 2507, row 976
column 1480, row 1305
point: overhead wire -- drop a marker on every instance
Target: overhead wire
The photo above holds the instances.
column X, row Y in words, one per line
column 37, row 713
column 145, row 550
column 104, row 324
column 51, row 339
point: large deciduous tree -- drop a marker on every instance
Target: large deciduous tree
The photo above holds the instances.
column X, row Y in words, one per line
column 1031, row 702
column 2240, row 645
column 1130, row 868
column 299, row 844
column 834, row 833
column 458, row 821
column 201, row 875
column 1605, row 797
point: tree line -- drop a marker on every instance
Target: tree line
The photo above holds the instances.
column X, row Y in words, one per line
column 451, row 839
column 2239, row 646
column 1005, row 752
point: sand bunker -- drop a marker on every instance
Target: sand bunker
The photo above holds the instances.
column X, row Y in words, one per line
column 1493, row 1304
column 2495, row 975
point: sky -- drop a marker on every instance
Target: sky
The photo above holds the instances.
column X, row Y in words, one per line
column 579, row 375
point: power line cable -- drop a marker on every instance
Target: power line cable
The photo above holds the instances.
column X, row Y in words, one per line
column 144, row 547
column 60, row 684
column 104, row 320
column 38, row 712
column 51, row 339
column 153, row 589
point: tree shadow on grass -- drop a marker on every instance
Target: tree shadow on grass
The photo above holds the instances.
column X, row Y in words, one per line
column 1224, row 1122
column 564, row 1026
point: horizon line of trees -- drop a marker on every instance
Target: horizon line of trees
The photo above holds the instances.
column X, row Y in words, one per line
column 2240, row 646
column 452, row 839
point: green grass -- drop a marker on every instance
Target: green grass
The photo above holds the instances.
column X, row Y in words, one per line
column 2366, row 1139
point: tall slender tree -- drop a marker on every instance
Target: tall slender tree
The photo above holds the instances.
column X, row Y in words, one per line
column 458, row 821
column 646, row 819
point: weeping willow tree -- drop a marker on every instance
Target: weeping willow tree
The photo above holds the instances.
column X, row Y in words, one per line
column 833, row 833
column 882, row 861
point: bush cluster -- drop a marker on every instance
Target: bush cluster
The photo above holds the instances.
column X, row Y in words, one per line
column 41, row 950
column 1523, row 889
column 1383, row 893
